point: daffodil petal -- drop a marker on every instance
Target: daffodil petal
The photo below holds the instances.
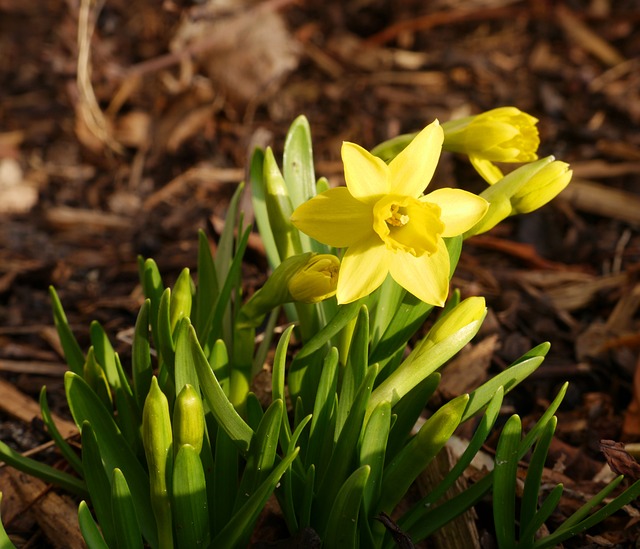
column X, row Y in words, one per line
column 367, row 176
column 487, row 169
column 426, row 277
column 335, row 218
column 364, row 267
column 412, row 170
column 459, row 210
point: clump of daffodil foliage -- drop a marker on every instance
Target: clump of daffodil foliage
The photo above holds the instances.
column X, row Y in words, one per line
column 176, row 450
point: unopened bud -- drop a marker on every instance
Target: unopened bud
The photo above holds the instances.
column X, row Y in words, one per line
column 317, row 280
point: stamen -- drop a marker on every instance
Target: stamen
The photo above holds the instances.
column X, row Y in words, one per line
column 397, row 218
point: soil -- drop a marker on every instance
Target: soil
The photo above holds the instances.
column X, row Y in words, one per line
column 126, row 126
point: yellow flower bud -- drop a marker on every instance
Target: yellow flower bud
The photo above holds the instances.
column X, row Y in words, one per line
column 505, row 134
column 188, row 419
column 317, row 280
column 541, row 188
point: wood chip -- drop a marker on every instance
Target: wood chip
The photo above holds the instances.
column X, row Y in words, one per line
column 21, row 406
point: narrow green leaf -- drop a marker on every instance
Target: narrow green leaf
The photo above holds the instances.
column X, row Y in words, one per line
column 278, row 381
column 207, row 288
column 507, row 379
column 129, row 417
column 225, row 480
column 297, row 162
column 417, row 512
column 42, row 471
column 105, row 355
column 342, row 528
column 189, row 496
column 72, row 352
column 238, row 530
column 89, row 528
column 258, row 199
column 419, row 451
column 262, row 452
column 305, row 358
column 321, row 435
column 355, row 369
column 219, row 404
column 141, row 355
column 407, row 412
column 372, row 452
column 164, row 334
column 96, row 378
column 114, row 450
column 527, row 536
column 124, row 514
column 225, row 250
column 98, row 484
column 529, row 500
column 65, row 448
column 153, row 288
column 253, row 411
column 5, row 542
column 504, row 482
column 307, row 497
column 344, row 453
column 629, row 495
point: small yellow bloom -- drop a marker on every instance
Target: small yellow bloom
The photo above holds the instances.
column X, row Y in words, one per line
column 387, row 225
column 505, row 134
column 317, row 280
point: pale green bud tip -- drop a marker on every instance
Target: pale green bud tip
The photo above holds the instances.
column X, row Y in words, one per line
column 472, row 309
column 545, row 185
column 505, row 134
column 317, row 280
column 188, row 418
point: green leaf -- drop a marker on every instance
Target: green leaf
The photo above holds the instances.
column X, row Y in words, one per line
column 225, row 250
column 124, row 514
column 5, row 542
column 305, row 358
column 164, row 340
column 279, row 209
column 321, row 435
column 207, row 289
column 419, row 510
column 224, row 412
column 565, row 532
column 95, row 377
column 98, row 483
column 529, row 500
column 65, row 448
column 189, row 497
column 355, row 369
column 141, row 355
column 237, row 531
column 114, row 450
column 42, row 471
column 105, row 355
column 504, row 482
column 297, row 162
column 407, row 411
column 419, row 451
column 262, row 452
column 258, row 199
column 90, row 530
column 278, row 381
column 153, row 288
column 548, row 506
column 372, row 452
column 225, row 480
column 508, row 379
column 340, row 464
column 72, row 352
column 342, row 527
column 129, row 417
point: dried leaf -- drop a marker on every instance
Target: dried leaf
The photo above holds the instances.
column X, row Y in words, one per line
column 619, row 460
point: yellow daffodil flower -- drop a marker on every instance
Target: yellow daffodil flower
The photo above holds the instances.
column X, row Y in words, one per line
column 505, row 134
column 387, row 225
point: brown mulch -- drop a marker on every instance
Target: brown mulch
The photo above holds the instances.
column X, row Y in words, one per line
column 125, row 127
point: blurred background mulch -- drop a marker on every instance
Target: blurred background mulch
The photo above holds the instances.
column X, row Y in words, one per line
column 126, row 125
